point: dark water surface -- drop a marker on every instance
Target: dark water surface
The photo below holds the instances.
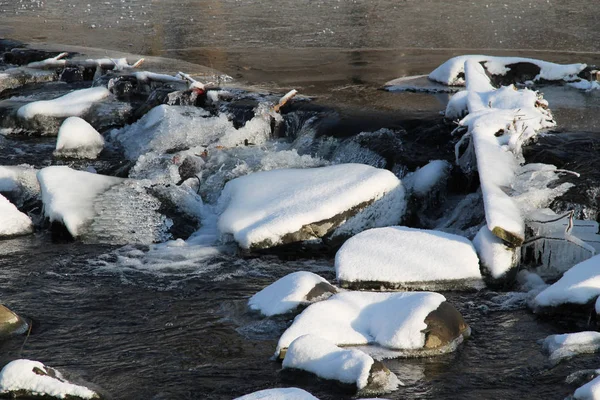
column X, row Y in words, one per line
column 142, row 334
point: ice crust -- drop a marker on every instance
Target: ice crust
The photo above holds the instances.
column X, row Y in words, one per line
column 76, row 138
column 19, row 375
column 286, row 294
column 392, row 320
column 579, row 285
column 400, row 254
column 279, row 394
column 73, row 104
column 448, row 73
column 68, row 195
column 265, row 206
column 560, row 347
column 12, row 221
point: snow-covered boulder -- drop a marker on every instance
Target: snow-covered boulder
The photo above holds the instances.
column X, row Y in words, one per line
column 70, row 105
column 398, row 257
column 290, row 292
column 589, row 391
column 499, row 262
column 12, row 221
column 560, row 347
column 78, row 139
column 578, row 289
column 506, row 70
column 279, row 394
column 410, row 323
column 32, row 379
column 267, row 209
column 314, row 354
column 11, row 323
column 19, row 183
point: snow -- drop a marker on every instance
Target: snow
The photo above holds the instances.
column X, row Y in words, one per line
column 579, row 285
column 286, row 294
column 12, row 221
column 448, row 72
column 77, row 138
column 495, row 256
column 393, row 320
column 19, row 375
column 68, row 195
column 265, row 206
column 399, row 254
column 568, row 345
column 589, row 391
column 424, row 179
column 279, row 394
column 70, row 105
column 314, row 354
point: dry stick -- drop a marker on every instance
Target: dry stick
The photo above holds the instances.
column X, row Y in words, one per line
column 25, row 341
column 283, row 101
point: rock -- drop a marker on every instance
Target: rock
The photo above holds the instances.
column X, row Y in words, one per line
column 11, row 323
column 78, row 139
column 12, row 221
column 444, row 325
column 279, row 394
column 33, row 380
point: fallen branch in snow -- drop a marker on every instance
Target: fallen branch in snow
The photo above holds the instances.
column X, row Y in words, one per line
column 104, row 63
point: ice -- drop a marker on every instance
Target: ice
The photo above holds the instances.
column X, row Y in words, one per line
column 68, row 195
column 73, row 104
column 37, row 379
column 449, row 73
column 589, row 391
column 403, row 255
column 496, row 258
column 12, row 221
column 314, row 354
column 426, row 178
column 286, row 294
column 579, row 285
column 560, row 347
column 279, row 394
column 393, row 320
column 263, row 207
column 76, row 138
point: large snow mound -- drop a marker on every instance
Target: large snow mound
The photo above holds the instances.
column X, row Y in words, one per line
column 12, row 221
column 452, row 71
column 286, row 294
column 568, row 345
column 77, row 138
column 401, row 255
column 68, row 195
column 392, row 320
column 579, row 285
column 73, row 104
column 279, row 394
column 265, row 206
column 39, row 380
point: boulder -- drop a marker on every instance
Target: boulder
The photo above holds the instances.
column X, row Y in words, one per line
column 11, row 323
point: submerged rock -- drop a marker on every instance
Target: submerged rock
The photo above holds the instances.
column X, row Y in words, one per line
column 33, row 380
column 11, row 323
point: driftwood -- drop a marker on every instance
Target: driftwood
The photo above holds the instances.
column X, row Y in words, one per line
column 105, row 63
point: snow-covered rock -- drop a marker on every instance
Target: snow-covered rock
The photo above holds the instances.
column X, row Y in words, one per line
column 498, row 261
column 579, row 286
column 425, row 179
column 78, row 139
column 271, row 208
column 12, row 221
column 290, row 292
column 402, row 257
column 32, row 379
column 316, row 355
column 397, row 321
column 279, row 394
column 11, row 323
column 560, row 347
column 70, row 105
column 452, row 72
column 589, row 391
column 19, row 183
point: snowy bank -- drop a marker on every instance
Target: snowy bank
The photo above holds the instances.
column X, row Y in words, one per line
column 290, row 292
column 73, row 104
column 401, row 257
column 279, row 394
column 26, row 378
column 396, row 321
column 579, row 286
column 316, row 355
column 12, row 221
column 78, row 139
column 452, row 72
column 266, row 209
column 560, row 347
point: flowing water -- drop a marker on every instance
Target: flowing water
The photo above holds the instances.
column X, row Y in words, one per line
column 145, row 332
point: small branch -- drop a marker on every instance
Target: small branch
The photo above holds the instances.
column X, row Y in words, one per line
column 285, row 99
